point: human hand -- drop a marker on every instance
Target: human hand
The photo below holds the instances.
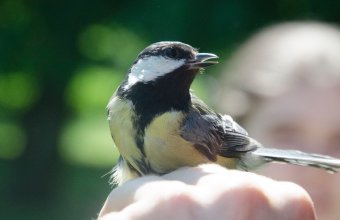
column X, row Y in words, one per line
column 208, row 192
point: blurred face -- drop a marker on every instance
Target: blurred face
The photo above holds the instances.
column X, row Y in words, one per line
column 307, row 119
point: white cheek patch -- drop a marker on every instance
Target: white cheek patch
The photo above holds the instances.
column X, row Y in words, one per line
column 150, row 68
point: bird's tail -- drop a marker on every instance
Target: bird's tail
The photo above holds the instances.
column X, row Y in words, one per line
column 296, row 157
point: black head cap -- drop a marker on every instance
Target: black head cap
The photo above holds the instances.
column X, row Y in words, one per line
column 169, row 49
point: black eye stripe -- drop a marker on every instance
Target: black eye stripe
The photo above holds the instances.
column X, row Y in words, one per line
column 172, row 52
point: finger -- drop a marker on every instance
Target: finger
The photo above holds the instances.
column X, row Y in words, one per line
column 293, row 200
column 256, row 195
column 192, row 175
column 124, row 195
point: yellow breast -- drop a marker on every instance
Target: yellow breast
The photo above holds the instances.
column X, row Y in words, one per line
column 122, row 130
column 165, row 149
column 164, row 146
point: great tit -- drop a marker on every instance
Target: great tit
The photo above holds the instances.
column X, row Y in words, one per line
column 159, row 125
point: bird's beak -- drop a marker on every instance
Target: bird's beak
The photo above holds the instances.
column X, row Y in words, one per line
column 202, row 60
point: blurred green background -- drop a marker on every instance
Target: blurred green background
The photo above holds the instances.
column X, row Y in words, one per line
column 60, row 61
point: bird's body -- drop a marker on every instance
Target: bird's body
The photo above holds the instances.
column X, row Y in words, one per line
column 159, row 126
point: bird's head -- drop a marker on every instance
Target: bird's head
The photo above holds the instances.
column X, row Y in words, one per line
column 167, row 63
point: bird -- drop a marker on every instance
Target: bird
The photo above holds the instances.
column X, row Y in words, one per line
column 159, row 125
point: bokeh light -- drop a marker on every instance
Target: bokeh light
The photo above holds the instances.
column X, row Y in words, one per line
column 91, row 88
column 110, row 43
column 18, row 90
column 12, row 140
column 86, row 139
column 88, row 142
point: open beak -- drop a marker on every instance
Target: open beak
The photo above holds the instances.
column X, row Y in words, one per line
column 202, row 60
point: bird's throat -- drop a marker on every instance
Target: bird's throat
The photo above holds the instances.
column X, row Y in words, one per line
column 175, row 86
column 167, row 93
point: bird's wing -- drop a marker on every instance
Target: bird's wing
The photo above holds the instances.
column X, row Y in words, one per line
column 214, row 134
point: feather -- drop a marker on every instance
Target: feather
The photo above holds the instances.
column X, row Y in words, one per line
column 299, row 158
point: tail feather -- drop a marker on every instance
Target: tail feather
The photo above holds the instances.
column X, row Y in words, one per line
column 296, row 157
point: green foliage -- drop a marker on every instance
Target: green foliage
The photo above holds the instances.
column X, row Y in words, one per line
column 12, row 140
column 18, row 91
column 87, row 141
column 110, row 43
column 90, row 89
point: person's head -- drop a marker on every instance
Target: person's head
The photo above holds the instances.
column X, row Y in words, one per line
column 283, row 86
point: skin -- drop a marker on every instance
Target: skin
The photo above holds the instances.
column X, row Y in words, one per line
column 207, row 192
column 306, row 118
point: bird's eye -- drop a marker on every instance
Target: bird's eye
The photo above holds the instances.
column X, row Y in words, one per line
column 171, row 53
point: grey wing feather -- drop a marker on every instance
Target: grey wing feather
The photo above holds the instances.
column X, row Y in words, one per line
column 236, row 138
column 299, row 158
column 214, row 134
